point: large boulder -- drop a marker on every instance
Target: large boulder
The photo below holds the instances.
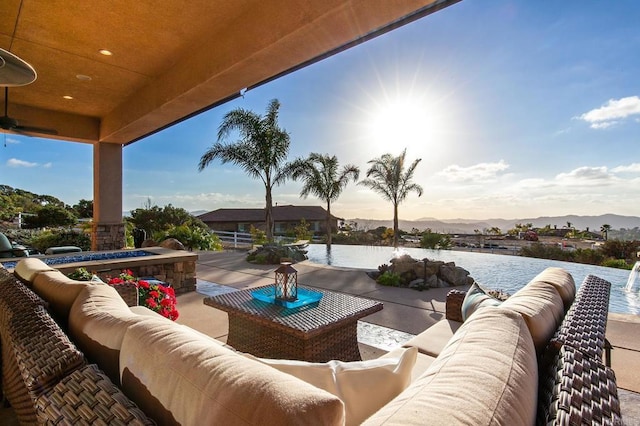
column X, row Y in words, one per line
column 453, row 274
column 432, row 267
column 403, row 264
column 172, row 243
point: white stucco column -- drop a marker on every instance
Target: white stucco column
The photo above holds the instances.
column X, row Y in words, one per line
column 108, row 227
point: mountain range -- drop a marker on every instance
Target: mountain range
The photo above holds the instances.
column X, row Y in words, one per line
column 468, row 226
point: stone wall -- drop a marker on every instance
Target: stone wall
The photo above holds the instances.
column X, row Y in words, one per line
column 107, row 236
column 181, row 275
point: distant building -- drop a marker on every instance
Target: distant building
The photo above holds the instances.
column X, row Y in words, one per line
column 285, row 218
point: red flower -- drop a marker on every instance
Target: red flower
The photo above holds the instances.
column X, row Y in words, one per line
column 157, row 297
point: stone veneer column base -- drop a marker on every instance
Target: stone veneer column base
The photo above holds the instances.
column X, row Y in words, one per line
column 107, row 236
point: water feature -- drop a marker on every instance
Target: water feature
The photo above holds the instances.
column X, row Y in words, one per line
column 503, row 272
column 85, row 257
column 634, row 276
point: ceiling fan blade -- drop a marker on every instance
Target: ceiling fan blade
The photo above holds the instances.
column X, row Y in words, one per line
column 11, row 124
column 32, row 129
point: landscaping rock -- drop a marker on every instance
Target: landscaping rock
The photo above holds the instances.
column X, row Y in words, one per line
column 172, row 243
column 424, row 274
column 453, row 274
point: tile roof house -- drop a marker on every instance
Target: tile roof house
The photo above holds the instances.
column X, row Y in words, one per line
column 285, row 218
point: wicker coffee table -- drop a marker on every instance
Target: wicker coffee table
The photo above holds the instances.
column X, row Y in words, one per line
column 318, row 332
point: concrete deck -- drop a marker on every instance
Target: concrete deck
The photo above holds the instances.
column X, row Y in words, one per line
column 404, row 309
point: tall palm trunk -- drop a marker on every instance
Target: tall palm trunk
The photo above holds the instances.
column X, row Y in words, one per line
column 268, row 219
column 395, row 225
column 328, row 223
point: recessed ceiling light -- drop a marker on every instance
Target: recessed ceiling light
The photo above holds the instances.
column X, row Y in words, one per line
column 83, row 77
column 105, row 52
column 67, row 97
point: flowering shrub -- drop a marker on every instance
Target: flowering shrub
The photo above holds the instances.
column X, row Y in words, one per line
column 157, row 297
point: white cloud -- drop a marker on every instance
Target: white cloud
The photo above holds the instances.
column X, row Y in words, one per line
column 482, row 172
column 47, row 165
column 14, row 162
column 603, row 125
column 611, row 112
column 586, row 176
column 631, row 168
column 11, row 141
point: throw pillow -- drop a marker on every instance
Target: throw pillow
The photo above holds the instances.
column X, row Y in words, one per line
column 363, row 386
column 475, row 299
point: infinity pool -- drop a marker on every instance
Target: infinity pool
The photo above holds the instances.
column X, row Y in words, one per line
column 503, row 272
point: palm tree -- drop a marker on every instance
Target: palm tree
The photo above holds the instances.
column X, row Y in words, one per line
column 605, row 230
column 388, row 177
column 261, row 150
column 323, row 179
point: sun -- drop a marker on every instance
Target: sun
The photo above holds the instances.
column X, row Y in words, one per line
column 401, row 123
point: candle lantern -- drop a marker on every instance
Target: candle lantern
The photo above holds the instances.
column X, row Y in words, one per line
column 286, row 288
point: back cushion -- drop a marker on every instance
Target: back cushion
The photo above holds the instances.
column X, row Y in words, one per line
column 60, row 291
column 179, row 377
column 486, row 375
column 27, row 268
column 98, row 320
column 542, row 308
column 562, row 281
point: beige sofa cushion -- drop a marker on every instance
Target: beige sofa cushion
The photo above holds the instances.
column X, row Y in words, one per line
column 435, row 338
column 542, row 308
column 98, row 321
column 487, row 374
column 179, row 377
column 363, row 386
column 60, row 291
column 27, row 269
column 562, row 281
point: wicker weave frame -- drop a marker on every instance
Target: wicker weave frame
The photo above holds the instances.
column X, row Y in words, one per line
column 44, row 376
column 576, row 389
column 319, row 332
column 584, row 326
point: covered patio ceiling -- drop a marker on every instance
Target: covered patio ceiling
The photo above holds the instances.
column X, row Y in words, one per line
column 171, row 59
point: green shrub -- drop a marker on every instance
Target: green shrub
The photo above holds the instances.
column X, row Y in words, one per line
column 193, row 238
column 542, row 251
column 60, row 238
column 260, row 259
column 80, row 274
column 389, row 278
column 257, row 235
column 616, row 263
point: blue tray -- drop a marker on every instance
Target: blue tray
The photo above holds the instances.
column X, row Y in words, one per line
column 305, row 297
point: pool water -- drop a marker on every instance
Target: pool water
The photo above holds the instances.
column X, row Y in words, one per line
column 85, row 257
column 500, row 272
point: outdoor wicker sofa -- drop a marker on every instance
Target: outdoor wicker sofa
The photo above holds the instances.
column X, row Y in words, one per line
column 75, row 353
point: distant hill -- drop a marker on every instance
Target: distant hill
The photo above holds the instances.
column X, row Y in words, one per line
column 467, row 226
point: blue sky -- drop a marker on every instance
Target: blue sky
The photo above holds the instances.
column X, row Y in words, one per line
column 517, row 109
